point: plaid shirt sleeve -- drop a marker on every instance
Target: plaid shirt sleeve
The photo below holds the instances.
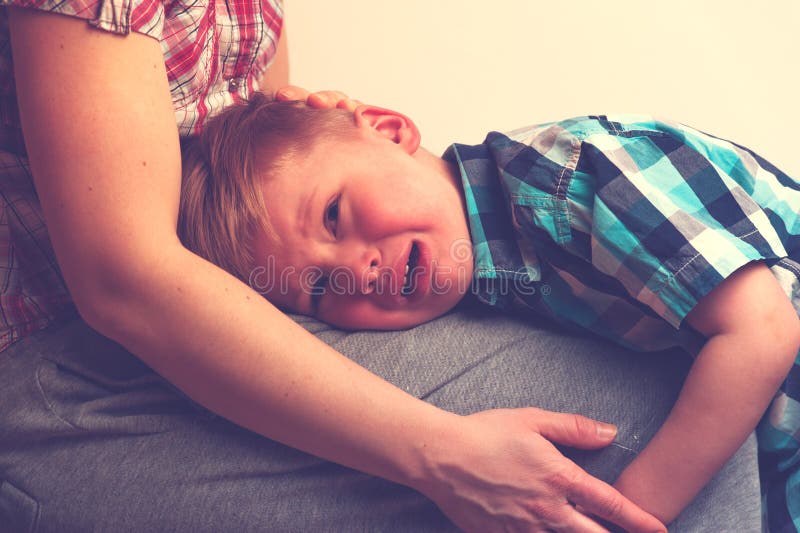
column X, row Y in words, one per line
column 675, row 211
column 118, row 16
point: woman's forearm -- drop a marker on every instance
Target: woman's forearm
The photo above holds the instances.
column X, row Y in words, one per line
column 104, row 153
column 239, row 356
column 233, row 352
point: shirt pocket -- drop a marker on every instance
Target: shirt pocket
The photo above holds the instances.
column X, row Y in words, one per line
column 536, row 214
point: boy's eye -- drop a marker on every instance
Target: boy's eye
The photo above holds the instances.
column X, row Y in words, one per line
column 332, row 216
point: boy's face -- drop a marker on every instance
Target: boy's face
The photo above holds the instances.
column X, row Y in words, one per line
column 351, row 216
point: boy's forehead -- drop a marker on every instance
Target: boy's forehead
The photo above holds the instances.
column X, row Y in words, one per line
column 286, row 202
column 291, row 191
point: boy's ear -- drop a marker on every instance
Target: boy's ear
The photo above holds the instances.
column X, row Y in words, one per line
column 392, row 125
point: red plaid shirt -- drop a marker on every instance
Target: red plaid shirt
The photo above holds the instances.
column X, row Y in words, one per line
column 215, row 52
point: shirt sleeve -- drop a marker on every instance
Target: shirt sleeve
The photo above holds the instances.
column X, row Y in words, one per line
column 115, row 16
column 676, row 211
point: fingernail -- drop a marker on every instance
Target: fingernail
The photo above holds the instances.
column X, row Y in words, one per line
column 286, row 93
column 606, row 431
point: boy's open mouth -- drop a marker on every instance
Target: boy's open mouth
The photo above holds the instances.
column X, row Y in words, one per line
column 408, row 278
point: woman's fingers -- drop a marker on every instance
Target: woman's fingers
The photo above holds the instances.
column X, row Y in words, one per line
column 291, row 92
column 590, row 494
column 348, row 104
column 505, row 474
column 580, row 523
column 325, row 99
column 566, row 519
column 573, row 430
column 602, row 500
column 330, row 99
column 320, row 99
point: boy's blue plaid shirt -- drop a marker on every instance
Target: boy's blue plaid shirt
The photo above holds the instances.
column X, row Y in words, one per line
column 620, row 225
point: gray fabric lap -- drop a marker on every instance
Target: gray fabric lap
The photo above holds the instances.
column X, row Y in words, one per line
column 92, row 440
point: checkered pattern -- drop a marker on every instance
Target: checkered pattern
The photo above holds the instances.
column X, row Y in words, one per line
column 214, row 51
column 620, row 225
column 32, row 292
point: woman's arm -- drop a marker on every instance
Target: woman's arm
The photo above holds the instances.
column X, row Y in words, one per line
column 104, row 152
column 107, row 169
column 753, row 338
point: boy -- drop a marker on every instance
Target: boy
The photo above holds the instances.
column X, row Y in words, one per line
column 650, row 234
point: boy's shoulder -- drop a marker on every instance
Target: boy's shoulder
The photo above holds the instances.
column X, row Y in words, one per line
column 560, row 142
column 583, row 127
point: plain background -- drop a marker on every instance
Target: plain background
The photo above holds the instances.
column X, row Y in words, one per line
column 461, row 68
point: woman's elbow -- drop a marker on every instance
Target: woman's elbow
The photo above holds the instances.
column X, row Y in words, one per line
column 114, row 294
column 103, row 301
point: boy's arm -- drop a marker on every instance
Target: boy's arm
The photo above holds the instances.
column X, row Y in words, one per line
column 753, row 337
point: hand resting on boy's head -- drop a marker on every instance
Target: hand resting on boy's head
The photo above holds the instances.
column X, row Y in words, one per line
column 317, row 99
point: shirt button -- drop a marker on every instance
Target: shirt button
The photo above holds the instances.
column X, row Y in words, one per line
column 233, row 84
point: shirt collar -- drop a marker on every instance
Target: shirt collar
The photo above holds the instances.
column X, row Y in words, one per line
column 494, row 243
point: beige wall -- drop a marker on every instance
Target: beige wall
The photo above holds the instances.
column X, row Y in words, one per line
column 463, row 67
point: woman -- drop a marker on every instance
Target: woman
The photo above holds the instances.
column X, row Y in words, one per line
column 94, row 440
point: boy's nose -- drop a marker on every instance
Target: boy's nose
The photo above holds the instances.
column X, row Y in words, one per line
column 370, row 279
column 364, row 266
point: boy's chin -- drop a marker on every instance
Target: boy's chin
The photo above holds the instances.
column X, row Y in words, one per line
column 406, row 321
column 392, row 323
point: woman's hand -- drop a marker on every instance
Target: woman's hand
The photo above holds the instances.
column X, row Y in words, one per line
column 319, row 99
column 502, row 473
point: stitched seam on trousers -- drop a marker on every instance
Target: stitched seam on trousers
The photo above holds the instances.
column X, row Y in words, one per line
column 47, row 401
column 618, row 445
column 467, row 369
column 34, row 522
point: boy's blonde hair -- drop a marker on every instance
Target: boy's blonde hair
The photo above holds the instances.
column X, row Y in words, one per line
column 221, row 205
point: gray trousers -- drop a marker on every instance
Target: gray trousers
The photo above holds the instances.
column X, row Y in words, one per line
column 92, row 440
